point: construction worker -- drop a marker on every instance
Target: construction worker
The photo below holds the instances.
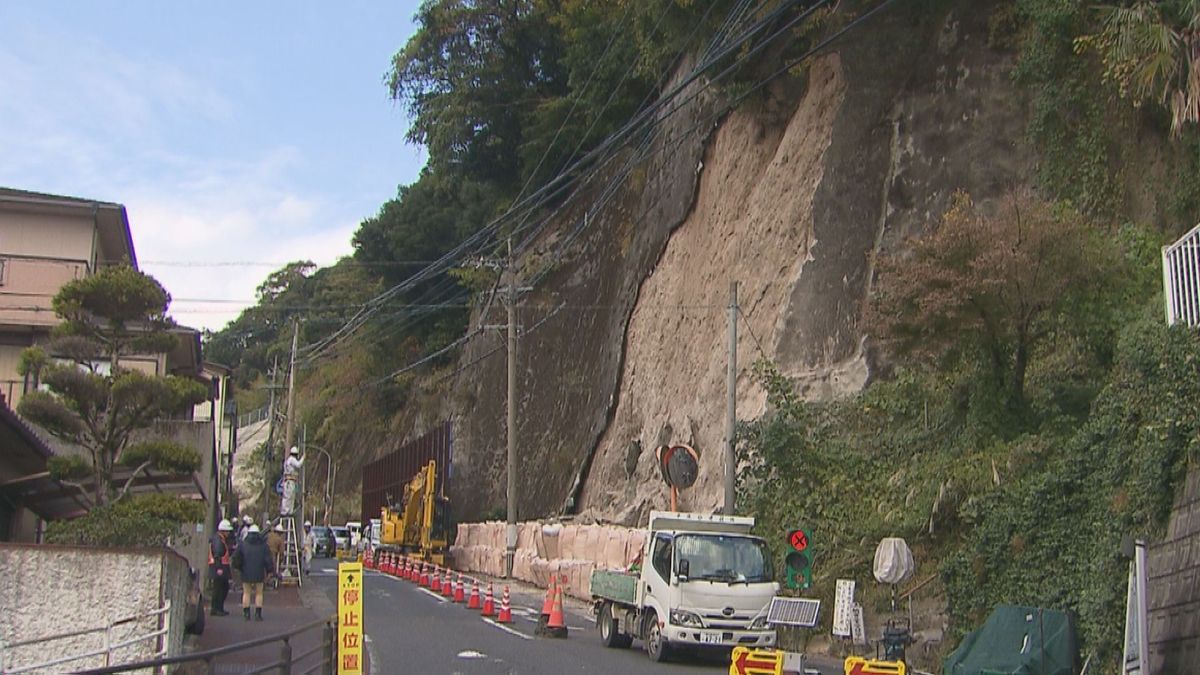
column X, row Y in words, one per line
column 253, row 558
column 310, row 543
column 275, row 543
column 291, row 480
column 219, row 551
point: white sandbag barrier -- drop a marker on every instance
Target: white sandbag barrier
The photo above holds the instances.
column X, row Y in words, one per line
column 548, row 550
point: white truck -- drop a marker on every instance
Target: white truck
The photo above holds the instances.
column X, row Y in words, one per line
column 704, row 583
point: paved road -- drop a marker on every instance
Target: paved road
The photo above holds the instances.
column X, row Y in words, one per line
column 410, row 630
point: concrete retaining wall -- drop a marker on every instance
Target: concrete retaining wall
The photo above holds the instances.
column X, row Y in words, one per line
column 51, row 590
column 545, row 550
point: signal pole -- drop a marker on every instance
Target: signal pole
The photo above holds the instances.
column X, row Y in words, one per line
column 290, row 430
column 731, row 402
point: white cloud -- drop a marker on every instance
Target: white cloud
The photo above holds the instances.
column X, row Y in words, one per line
column 81, row 119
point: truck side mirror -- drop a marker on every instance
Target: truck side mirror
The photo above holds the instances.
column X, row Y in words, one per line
column 683, row 567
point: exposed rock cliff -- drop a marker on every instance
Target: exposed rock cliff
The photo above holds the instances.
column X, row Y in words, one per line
column 791, row 198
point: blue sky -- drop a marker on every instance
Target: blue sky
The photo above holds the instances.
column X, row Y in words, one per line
column 257, row 132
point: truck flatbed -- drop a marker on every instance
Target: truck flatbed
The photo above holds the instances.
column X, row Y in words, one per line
column 614, row 585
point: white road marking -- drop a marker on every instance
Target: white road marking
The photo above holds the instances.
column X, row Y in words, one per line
column 371, row 653
column 433, row 595
column 471, row 654
column 506, row 629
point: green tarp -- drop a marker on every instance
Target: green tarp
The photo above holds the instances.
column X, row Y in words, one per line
column 1018, row 641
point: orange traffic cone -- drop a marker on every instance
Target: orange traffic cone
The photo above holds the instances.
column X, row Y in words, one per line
column 505, row 615
column 547, row 606
column 556, row 627
column 459, row 593
column 435, row 583
column 425, row 575
column 448, row 584
column 473, row 603
column 489, row 603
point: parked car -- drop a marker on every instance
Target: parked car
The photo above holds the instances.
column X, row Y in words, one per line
column 326, row 543
column 342, row 535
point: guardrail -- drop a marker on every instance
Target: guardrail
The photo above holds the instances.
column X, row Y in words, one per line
column 1181, row 279
column 287, row 660
column 164, row 625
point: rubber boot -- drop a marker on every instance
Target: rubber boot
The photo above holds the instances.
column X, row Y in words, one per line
column 258, row 613
column 246, row 613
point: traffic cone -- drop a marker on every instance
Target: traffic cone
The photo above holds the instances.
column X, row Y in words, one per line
column 435, row 584
column 414, row 571
column 556, row 627
column 473, row 603
column 448, row 584
column 460, row 595
column 389, row 564
column 489, row 603
column 505, row 615
column 425, row 575
column 547, row 606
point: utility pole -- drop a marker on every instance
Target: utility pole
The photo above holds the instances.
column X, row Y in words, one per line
column 510, row 550
column 290, row 429
column 731, row 402
column 270, row 444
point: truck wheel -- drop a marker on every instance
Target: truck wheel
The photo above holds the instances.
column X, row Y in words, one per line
column 656, row 642
column 610, row 633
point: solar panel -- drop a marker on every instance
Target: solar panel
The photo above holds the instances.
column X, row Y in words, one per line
column 800, row 612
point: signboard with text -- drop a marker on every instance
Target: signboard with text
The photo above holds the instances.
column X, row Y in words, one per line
column 350, row 619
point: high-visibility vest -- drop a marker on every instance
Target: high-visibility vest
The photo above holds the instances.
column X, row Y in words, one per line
column 224, row 557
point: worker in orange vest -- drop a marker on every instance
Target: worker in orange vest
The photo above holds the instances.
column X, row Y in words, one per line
column 220, row 552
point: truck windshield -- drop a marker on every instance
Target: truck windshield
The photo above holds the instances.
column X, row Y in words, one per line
column 719, row 557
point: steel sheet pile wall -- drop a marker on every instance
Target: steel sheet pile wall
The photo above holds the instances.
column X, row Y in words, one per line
column 387, row 475
column 1174, row 587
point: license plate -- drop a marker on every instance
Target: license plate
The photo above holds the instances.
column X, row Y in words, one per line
column 710, row 638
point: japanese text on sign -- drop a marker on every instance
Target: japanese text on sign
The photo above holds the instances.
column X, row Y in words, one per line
column 350, row 623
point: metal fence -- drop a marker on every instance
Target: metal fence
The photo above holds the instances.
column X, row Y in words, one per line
column 320, row 659
column 110, row 643
column 388, row 475
column 253, row 417
column 1181, row 279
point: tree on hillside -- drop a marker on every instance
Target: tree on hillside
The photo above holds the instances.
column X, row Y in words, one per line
column 95, row 402
column 1151, row 53
column 991, row 284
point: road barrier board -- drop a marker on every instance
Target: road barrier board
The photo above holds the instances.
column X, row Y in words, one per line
column 856, row 665
column 747, row 661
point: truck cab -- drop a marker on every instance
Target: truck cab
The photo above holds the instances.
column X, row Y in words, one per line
column 705, row 582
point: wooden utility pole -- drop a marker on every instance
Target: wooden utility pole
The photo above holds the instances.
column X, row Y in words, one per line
column 510, row 549
column 731, row 402
column 270, row 444
column 290, row 430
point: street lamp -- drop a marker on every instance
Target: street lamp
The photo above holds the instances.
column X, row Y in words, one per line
column 328, row 474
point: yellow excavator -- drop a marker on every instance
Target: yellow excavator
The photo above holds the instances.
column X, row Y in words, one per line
column 418, row 526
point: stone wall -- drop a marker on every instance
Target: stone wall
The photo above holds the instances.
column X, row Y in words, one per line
column 51, row 590
column 545, row 550
column 1174, row 587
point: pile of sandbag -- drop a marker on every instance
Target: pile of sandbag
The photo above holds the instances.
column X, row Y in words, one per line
column 567, row 552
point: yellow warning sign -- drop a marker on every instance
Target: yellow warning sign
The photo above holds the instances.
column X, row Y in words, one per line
column 746, row 661
column 856, row 665
column 350, row 619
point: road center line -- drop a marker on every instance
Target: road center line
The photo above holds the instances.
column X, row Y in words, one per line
column 506, row 629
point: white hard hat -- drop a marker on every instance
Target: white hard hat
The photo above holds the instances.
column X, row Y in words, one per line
column 247, row 520
column 225, row 526
column 308, row 523
column 279, row 527
column 294, row 451
column 254, row 529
